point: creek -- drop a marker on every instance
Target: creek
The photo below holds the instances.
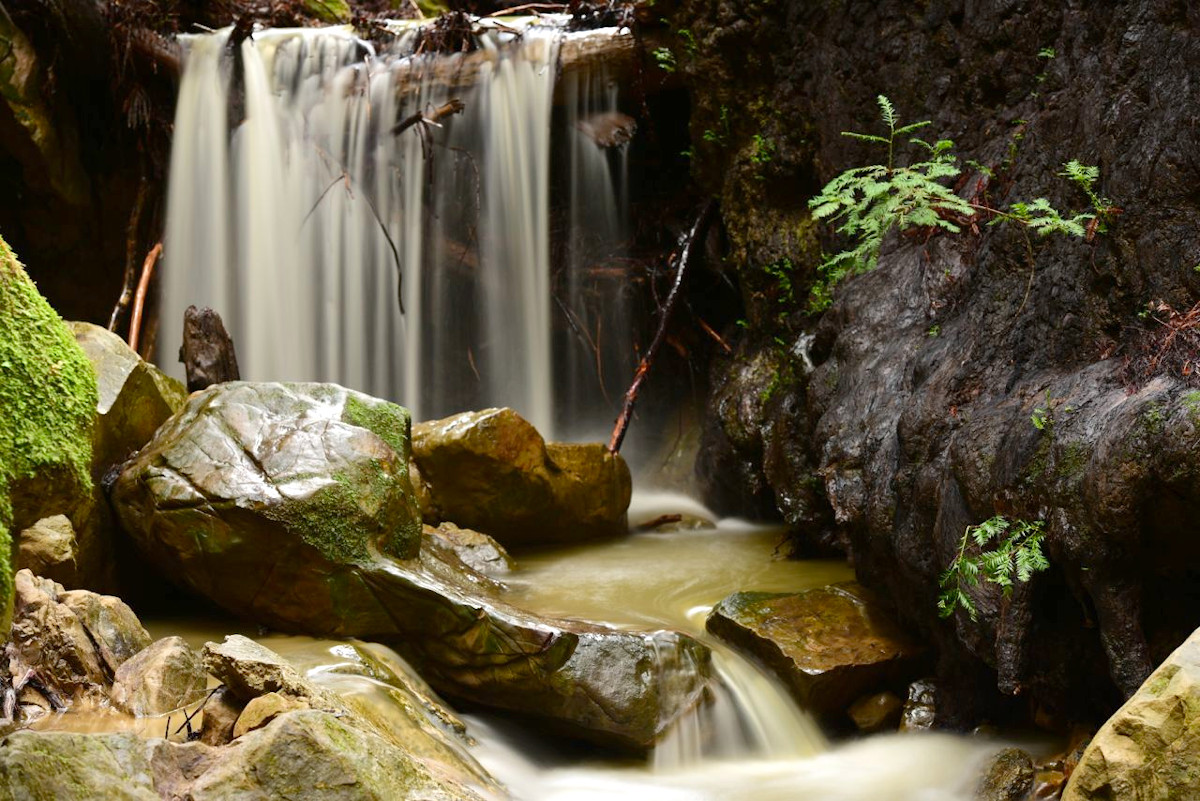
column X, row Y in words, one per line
column 307, row 225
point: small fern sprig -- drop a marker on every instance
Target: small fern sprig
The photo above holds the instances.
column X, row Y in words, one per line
column 1016, row 554
column 870, row 201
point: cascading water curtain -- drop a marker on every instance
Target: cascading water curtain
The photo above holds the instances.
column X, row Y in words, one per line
column 298, row 213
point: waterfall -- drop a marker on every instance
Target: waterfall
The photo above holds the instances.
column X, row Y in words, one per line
column 297, row 213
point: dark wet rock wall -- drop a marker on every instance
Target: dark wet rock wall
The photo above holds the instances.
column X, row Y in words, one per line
column 903, row 413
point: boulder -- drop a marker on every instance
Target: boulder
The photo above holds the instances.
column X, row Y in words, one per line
column 51, row 645
column 829, row 645
column 876, row 713
column 134, row 396
column 263, row 709
column 291, row 505
column 220, row 715
column 114, row 628
column 50, row 549
column 1149, row 749
column 1007, row 776
column 261, row 686
column 306, row 755
column 158, row 679
column 492, row 471
column 920, row 709
column 477, row 550
column 250, row 670
column 47, row 414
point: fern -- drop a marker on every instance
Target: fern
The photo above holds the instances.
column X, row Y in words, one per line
column 867, row 203
column 1008, row 551
column 870, row 201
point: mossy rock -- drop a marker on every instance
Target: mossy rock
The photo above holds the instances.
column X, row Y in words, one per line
column 829, row 645
column 47, row 416
column 328, row 10
column 491, row 471
column 247, row 475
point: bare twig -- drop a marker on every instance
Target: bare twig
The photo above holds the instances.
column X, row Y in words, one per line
column 454, row 106
column 131, row 248
column 135, row 325
column 699, row 229
column 508, row 12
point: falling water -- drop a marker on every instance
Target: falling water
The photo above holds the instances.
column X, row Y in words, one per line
column 296, row 212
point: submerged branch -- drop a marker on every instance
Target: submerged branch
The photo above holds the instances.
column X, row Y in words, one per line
column 699, row 230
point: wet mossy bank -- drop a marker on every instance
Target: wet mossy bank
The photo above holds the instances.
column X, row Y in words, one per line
column 887, row 424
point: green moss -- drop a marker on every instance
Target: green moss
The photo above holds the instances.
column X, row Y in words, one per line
column 1191, row 402
column 389, row 422
column 47, row 410
column 328, row 10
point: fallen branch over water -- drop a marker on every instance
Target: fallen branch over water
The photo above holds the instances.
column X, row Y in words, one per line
column 697, row 234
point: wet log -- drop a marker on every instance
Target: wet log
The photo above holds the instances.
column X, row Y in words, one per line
column 621, row 53
column 207, row 352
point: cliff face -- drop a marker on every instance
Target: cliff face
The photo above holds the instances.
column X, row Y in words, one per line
column 902, row 414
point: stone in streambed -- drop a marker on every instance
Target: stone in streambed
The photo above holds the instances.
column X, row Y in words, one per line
column 1150, row 748
column 220, row 715
column 263, row 709
column 49, row 549
column 68, row 651
column 291, row 505
column 1007, row 776
column 305, row 756
column 477, row 550
column 876, row 713
column 491, row 471
column 158, row 679
column 829, row 645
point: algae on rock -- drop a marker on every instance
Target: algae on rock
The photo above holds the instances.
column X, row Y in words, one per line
column 47, row 414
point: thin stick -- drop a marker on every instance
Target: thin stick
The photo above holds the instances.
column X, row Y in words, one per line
column 508, row 12
column 699, row 229
column 135, row 325
column 455, row 106
column 131, row 242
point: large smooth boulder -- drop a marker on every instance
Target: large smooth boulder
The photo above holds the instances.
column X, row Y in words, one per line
column 47, row 414
column 290, row 505
column 491, row 471
column 49, row 548
column 134, row 396
column 829, row 645
column 262, row 496
column 1149, row 749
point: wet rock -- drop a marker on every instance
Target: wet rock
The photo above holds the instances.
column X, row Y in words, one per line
column 249, row 670
column 876, row 713
column 303, row 755
column 32, row 705
column 49, row 549
column 301, row 477
column 476, row 550
column 51, row 646
column 492, row 471
column 158, row 679
column 204, row 501
column 221, row 712
column 263, row 709
column 1007, row 776
column 134, row 396
column 47, row 415
column 829, row 645
column 920, row 709
column 1151, row 747
column 113, row 626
